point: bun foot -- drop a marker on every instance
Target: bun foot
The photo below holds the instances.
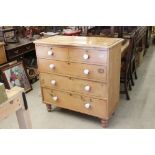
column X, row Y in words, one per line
column 49, row 107
column 104, row 123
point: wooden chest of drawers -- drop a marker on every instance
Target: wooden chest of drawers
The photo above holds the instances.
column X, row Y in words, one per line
column 80, row 73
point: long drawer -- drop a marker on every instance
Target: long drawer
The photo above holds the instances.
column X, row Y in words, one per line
column 96, row 89
column 95, row 107
column 92, row 72
column 87, row 56
column 55, row 53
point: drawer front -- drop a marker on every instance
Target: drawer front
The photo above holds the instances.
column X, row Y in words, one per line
column 92, row 72
column 52, row 81
column 94, row 107
column 28, row 48
column 87, row 56
column 52, row 66
column 55, row 82
column 96, row 89
column 14, row 53
column 55, row 53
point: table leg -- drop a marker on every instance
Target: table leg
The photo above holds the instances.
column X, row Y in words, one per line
column 23, row 118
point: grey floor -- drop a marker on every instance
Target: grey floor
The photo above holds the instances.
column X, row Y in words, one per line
column 139, row 112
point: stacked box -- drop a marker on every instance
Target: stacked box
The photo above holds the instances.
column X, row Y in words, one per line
column 3, row 95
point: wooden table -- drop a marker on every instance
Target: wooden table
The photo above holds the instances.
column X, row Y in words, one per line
column 16, row 103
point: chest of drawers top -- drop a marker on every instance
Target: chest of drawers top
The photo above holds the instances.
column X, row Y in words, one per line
column 79, row 41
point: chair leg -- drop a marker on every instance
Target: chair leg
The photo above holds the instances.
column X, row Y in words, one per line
column 126, row 89
column 135, row 72
column 132, row 82
column 130, row 88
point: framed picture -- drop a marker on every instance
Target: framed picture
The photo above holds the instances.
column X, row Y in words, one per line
column 15, row 75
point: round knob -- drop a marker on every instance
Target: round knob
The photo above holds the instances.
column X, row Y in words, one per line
column 52, row 66
column 87, row 105
column 86, row 71
column 85, row 56
column 87, row 88
column 50, row 53
column 53, row 82
column 55, row 98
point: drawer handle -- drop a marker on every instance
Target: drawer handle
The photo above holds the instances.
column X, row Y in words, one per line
column 55, row 98
column 87, row 105
column 87, row 88
column 28, row 47
column 50, row 53
column 86, row 71
column 52, row 66
column 85, row 56
column 16, row 52
column 53, row 82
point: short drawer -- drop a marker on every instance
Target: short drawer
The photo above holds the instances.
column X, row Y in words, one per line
column 28, row 48
column 55, row 81
column 86, row 71
column 14, row 53
column 90, row 106
column 92, row 72
column 52, row 66
column 55, row 53
column 87, row 56
column 96, row 89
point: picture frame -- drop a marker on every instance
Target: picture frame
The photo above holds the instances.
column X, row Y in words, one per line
column 15, row 75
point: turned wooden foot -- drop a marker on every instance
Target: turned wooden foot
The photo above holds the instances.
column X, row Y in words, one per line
column 113, row 113
column 104, row 123
column 49, row 107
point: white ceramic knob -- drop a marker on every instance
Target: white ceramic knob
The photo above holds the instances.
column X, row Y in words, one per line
column 86, row 71
column 52, row 66
column 87, row 88
column 55, row 98
column 87, row 105
column 85, row 56
column 50, row 52
column 53, row 82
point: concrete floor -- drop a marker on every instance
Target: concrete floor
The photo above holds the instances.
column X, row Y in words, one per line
column 139, row 112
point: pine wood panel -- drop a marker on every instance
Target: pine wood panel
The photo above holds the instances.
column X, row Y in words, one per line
column 79, row 41
column 76, row 102
column 97, row 89
column 58, row 53
column 96, row 72
column 114, row 78
column 94, row 56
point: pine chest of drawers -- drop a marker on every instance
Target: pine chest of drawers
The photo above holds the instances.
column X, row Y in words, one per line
column 80, row 73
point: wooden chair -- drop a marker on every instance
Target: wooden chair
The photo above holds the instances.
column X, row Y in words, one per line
column 125, row 71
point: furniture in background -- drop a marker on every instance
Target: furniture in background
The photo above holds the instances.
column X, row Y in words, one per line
column 8, row 35
column 81, row 74
column 3, row 58
column 126, row 76
column 16, row 103
column 18, row 50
